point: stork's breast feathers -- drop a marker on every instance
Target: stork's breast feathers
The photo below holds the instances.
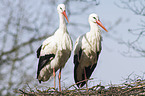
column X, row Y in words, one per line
column 67, row 42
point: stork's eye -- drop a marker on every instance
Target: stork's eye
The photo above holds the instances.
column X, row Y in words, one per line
column 60, row 8
column 94, row 17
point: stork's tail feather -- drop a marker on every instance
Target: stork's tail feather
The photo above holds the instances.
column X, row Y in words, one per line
column 40, row 81
column 89, row 70
column 75, row 75
column 78, row 73
column 82, row 82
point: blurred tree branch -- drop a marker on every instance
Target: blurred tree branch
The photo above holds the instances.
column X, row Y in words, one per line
column 15, row 48
column 136, row 45
column 136, row 6
column 20, row 26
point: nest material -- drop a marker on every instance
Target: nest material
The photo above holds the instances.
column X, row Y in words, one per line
column 134, row 88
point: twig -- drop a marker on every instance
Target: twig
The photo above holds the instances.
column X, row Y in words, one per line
column 79, row 82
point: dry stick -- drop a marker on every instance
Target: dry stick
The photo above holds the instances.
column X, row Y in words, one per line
column 133, row 88
column 79, row 82
column 140, row 84
column 22, row 92
column 48, row 92
column 29, row 88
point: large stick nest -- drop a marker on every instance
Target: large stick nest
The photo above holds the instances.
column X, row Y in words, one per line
column 134, row 88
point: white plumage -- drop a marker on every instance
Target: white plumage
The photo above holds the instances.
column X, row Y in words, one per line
column 86, row 51
column 55, row 50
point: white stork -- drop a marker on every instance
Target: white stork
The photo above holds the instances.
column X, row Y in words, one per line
column 86, row 51
column 55, row 50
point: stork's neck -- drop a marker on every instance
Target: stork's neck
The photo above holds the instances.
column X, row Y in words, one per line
column 94, row 28
column 62, row 23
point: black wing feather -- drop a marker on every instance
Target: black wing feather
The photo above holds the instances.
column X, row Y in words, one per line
column 75, row 68
column 80, row 53
column 89, row 70
column 38, row 51
column 43, row 61
column 76, row 62
column 76, row 57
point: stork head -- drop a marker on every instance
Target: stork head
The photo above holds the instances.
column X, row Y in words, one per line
column 61, row 10
column 95, row 19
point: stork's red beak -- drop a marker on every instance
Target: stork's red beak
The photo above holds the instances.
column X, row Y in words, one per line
column 64, row 13
column 100, row 24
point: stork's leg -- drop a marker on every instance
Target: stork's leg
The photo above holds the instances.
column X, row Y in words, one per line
column 86, row 79
column 54, row 77
column 59, row 79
